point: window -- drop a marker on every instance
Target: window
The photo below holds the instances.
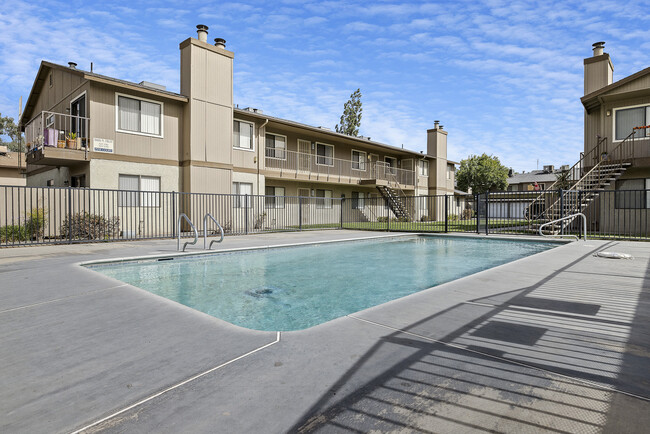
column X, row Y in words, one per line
column 141, row 190
column 358, row 200
column 326, row 199
column 450, row 169
column 240, row 189
column 423, row 166
column 274, row 197
column 242, row 135
column 632, row 194
column 139, row 116
column 276, row 146
column 325, row 154
column 626, row 119
column 359, row 160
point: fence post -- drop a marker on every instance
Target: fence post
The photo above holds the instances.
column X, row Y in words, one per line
column 446, row 213
column 69, row 215
column 341, row 206
column 580, row 210
column 246, row 214
column 487, row 212
column 300, row 212
column 387, row 207
column 477, row 201
column 173, row 214
column 561, row 212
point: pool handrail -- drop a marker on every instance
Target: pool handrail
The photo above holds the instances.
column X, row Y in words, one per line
column 205, row 231
column 196, row 233
column 572, row 216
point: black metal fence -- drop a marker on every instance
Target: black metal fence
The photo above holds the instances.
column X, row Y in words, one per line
column 46, row 215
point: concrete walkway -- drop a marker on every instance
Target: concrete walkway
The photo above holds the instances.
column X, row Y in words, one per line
column 557, row 342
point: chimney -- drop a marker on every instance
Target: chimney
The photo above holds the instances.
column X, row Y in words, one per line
column 436, row 124
column 202, row 31
column 599, row 48
column 72, row 65
column 599, row 70
column 220, row 43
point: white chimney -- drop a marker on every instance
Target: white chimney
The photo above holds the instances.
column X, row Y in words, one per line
column 599, row 48
column 220, row 43
column 202, row 31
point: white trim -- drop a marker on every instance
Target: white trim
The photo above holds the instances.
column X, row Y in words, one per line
column 286, row 145
column 117, row 116
column 614, row 110
column 252, row 148
column 365, row 159
column 428, row 167
column 318, row 156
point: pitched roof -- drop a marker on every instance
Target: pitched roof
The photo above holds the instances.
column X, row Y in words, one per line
column 531, row 177
column 592, row 101
column 91, row 76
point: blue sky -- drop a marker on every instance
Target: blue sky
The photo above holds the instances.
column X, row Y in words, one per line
column 503, row 77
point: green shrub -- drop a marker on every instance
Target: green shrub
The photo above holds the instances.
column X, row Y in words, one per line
column 424, row 218
column 12, row 233
column 452, row 217
column 35, row 223
column 85, row 226
column 382, row 219
column 467, row 214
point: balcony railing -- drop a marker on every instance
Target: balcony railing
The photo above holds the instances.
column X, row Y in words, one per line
column 57, row 130
column 325, row 168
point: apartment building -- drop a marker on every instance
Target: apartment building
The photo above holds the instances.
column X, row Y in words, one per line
column 85, row 129
column 12, row 167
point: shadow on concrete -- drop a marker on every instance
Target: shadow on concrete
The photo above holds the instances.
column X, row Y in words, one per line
column 499, row 370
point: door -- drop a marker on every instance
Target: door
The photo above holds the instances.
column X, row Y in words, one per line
column 78, row 121
column 304, row 158
column 305, row 205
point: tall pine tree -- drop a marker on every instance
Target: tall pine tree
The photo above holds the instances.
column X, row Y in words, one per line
column 351, row 117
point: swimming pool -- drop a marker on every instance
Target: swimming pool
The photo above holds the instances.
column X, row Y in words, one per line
column 292, row 288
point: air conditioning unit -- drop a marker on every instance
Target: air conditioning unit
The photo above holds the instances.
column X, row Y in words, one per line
column 548, row 169
column 564, row 167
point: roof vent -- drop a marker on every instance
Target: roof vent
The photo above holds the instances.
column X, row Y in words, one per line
column 72, row 65
column 253, row 110
column 220, row 43
column 598, row 48
column 202, row 31
column 436, row 124
column 153, row 85
column 325, row 128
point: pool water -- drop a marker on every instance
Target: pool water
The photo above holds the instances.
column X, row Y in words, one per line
column 292, row 288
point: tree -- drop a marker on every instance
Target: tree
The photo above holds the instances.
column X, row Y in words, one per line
column 351, row 117
column 482, row 173
column 563, row 180
column 9, row 128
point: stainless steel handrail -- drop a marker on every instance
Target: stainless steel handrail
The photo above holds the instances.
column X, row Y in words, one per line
column 196, row 233
column 572, row 216
column 205, row 231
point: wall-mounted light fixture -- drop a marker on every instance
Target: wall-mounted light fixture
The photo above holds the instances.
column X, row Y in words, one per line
column 609, row 112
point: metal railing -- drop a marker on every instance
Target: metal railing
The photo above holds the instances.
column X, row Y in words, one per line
column 58, row 130
column 55, row 215
column 569, row 218
column 182, row 217
column 323, row 168
column 205, row 231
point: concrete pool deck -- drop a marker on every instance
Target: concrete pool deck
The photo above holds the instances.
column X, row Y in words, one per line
column 559, row 342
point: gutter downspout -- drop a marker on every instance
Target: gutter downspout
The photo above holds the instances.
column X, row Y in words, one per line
column 259, row 146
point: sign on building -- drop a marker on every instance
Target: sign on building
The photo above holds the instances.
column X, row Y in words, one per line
column 103, row 145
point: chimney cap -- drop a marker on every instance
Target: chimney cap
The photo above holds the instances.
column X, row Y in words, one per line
column 72, row 65
column 220, row 42
column 202, row 27
column 598, row 44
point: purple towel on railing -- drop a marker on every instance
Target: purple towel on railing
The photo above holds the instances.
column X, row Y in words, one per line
column 50, row 135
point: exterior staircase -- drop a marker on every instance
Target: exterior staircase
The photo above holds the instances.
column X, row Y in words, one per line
column 395, row 202
column 588, row 177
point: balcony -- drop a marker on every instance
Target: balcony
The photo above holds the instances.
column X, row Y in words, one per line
column 309, row 167
column 57, row 139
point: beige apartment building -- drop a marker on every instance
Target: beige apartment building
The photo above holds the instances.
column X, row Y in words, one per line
column 12, row 167
column 617, row 138
column 84, row 129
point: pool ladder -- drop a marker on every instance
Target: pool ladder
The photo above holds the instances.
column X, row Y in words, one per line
column 184, row 216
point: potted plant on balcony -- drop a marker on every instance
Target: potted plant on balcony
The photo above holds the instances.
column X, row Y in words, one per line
column 71, row 141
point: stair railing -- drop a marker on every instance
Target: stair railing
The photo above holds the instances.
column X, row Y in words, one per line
column 571, row 217
column 205, row 231
column 182, row 217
